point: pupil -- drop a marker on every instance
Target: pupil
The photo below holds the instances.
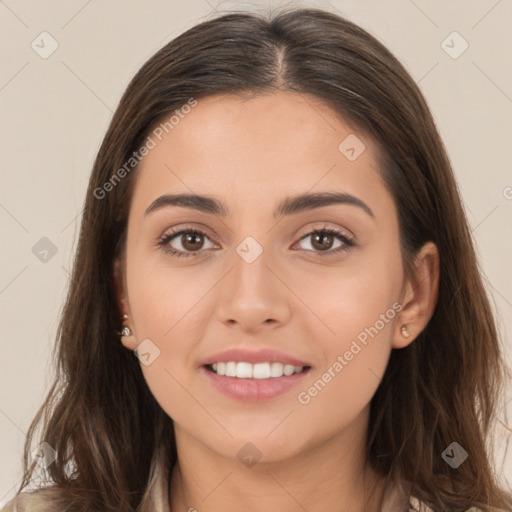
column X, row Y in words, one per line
column 322, row 237
column 192, row 239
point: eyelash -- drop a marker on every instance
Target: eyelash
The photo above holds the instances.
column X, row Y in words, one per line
column 340, row 234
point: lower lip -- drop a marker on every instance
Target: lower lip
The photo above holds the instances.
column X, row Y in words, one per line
column 253, row 390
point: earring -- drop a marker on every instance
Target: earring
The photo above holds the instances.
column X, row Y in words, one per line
column 125, row 330
column 405, row 332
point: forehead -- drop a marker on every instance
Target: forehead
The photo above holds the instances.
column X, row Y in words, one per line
column 269, row 145
column 274, row 122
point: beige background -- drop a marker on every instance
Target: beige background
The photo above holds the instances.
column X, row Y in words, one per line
column 54, row 113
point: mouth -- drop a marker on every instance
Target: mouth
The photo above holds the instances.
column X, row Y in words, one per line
column 247, row 382
column 259, row 371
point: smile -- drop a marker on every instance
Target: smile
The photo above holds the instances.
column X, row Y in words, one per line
column 254, row 382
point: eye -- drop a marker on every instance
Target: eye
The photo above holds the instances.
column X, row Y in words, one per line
column 186, row 242
column 323, row 241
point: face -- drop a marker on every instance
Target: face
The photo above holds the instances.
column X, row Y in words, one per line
column 297, row 300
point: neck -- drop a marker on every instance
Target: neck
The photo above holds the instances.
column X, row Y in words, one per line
column 331, row 476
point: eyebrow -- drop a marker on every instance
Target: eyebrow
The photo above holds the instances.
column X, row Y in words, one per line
column 289, row 206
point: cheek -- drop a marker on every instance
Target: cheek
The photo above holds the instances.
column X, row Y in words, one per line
column 358, row 312
column 354, row 361
column 359, row 295
column 168, row 309
column 164, row 299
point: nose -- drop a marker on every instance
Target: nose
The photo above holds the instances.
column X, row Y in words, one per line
column 254, row 295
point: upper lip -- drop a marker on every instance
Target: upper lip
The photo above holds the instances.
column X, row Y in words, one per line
column 264, row 355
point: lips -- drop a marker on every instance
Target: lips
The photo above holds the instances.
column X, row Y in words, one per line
column 253, row 390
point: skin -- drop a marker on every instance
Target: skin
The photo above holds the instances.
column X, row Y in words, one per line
column 250, row 154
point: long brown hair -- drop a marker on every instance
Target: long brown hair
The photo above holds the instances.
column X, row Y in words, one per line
column 109, row 433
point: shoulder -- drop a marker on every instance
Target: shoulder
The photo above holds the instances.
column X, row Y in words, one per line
column 34, row 501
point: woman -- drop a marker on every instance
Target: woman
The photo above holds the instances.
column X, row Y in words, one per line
column 273, row 228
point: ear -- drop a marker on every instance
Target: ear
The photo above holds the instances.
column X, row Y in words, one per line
column 124, row 308
column 420, row 296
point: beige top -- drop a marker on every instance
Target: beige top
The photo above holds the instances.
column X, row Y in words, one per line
column 395, row 500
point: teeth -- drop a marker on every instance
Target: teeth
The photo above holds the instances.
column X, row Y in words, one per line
column 261, row 371
column 289, row 369
column 230, row 369
column 244, row 370
column 276, row 370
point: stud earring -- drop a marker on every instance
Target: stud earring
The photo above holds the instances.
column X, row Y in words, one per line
column 125, row 330
column 405, row 332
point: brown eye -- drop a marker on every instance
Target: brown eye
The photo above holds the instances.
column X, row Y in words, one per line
column 192, row 241
column 186, row 242
column 323, row 240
